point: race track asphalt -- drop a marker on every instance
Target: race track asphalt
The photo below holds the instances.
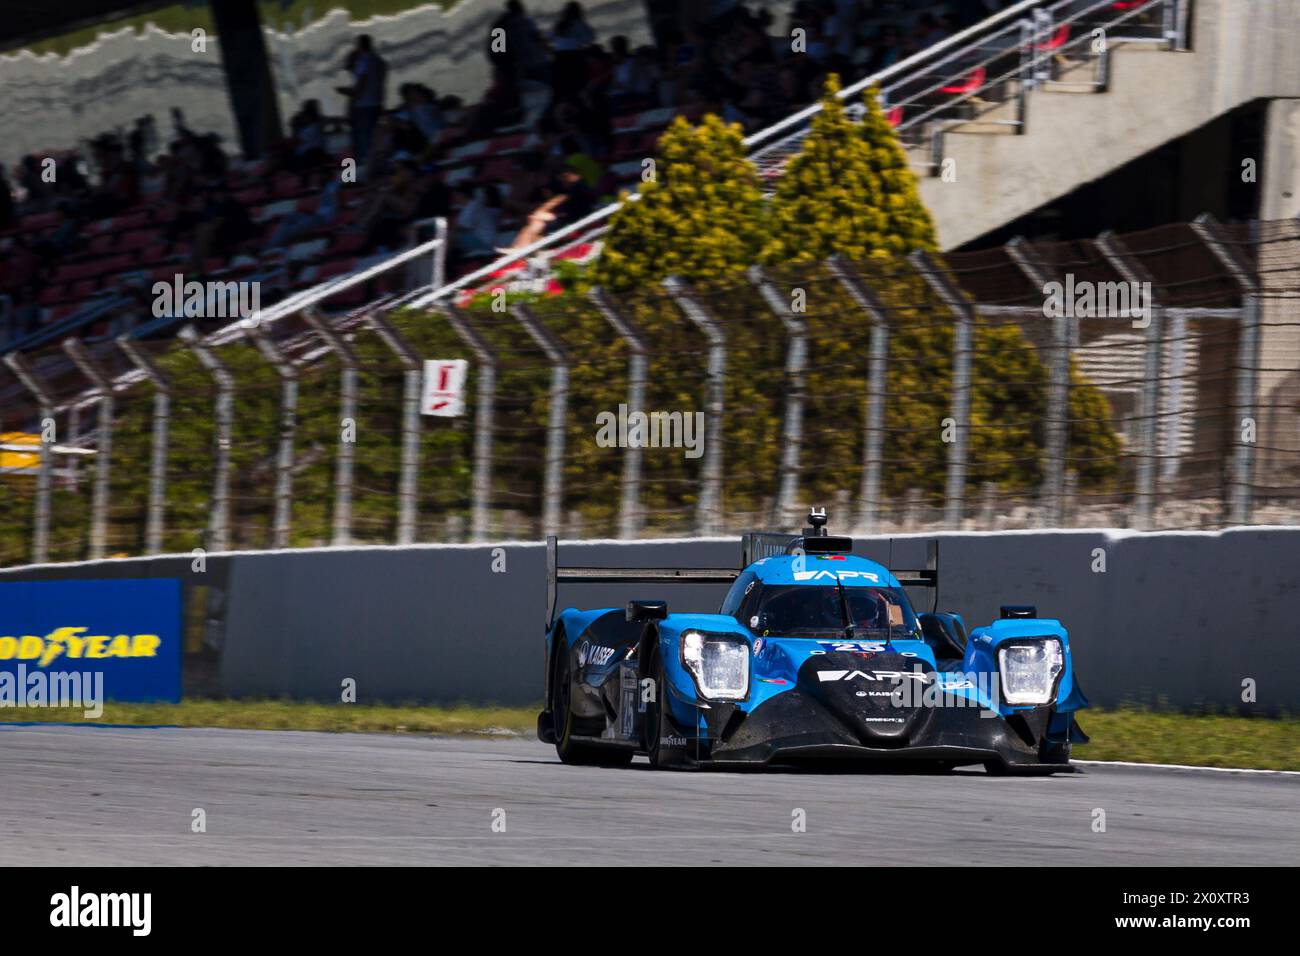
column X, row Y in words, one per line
column 94, row 795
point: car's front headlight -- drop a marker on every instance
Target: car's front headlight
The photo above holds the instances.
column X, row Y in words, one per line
column 720, row 665
column 1029, row 671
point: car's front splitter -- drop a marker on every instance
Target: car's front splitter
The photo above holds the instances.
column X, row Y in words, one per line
column 798, row 726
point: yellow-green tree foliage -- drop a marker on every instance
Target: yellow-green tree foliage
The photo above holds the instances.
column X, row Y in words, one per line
column 700, row 216
column 849, row 191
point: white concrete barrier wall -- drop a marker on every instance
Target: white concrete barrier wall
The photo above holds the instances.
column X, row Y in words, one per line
column 1178, row 619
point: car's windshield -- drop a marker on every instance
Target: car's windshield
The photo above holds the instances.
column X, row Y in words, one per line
column 800, row 607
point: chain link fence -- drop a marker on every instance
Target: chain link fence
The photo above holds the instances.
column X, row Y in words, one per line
column 1150, row 380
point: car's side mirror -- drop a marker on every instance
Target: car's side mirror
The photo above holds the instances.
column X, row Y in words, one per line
column 647, row 610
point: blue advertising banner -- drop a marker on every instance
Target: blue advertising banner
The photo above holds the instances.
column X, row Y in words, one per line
column 127, row 630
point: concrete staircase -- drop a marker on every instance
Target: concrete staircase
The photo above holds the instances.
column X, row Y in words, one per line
column 1078, row 128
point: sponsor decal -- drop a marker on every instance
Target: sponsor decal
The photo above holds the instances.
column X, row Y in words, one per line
column 863, row 648
column 773, row 680
column 833, row 575
column 872, row 675
column 758, row 644
column 126, row 631
column 595, row 655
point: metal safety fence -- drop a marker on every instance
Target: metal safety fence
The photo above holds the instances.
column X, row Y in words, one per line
column 1150, row 380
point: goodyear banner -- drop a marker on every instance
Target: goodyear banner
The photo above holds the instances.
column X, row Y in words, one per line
column 123, row 636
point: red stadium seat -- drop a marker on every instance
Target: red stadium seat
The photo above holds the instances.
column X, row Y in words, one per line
column 968, row 85
column 1058, row 40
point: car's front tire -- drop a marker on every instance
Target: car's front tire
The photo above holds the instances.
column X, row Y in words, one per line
column 660, row 733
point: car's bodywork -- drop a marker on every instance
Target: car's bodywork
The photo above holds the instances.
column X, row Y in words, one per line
column 815, row 654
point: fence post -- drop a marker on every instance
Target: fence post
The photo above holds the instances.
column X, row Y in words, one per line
column 963, row 322
column 553, row 483
column 1243, row 455
column 709, row 510
column 408, row 476
column 158, row 445
column 440, row 253
column 222, row 422
column 342, row 533
column 25, row 374
column 638, row 366
column 1148, row 425
column 796, row 364
column 873, row 433
column 102, row 385
column 485, row 402
column 1056, row 441
column 288, row 372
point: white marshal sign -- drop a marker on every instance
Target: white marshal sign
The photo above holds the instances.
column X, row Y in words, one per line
column 444, row 387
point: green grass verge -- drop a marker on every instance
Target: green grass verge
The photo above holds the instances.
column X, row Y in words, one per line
column 1212, row 740
column 295, row 715
column 1126, row 734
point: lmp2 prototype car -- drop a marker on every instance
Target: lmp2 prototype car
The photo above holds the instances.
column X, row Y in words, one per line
column 815, row 655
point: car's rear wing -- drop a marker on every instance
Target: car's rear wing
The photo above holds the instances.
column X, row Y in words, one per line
column 754, row 546
column 589, row 575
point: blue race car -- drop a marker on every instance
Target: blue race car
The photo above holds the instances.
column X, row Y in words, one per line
column 816, row 654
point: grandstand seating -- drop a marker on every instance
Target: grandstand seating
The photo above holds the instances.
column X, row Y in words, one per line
column 131, row 246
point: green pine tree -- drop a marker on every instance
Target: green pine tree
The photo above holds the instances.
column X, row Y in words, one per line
column 849, row 191
column 699, row 217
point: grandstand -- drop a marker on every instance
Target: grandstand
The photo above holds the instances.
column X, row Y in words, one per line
column 69, row 270
column 527, row 174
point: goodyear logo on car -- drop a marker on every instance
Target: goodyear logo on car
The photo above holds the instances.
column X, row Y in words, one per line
column 129, row 630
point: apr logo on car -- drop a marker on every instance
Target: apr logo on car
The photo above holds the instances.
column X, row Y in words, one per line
column 872, row 675
column 594, row 654
column 834, row 575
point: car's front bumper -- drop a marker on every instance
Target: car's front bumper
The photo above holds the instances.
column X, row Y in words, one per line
column 796, row 727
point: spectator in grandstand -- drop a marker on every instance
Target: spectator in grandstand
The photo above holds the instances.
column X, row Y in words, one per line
column 887, row 50
column 929, row 30
column 502, row 105
column 519, row 48
column 119, row 182
column 65, row 239
column 570, row 40
column 391, row 204
column 25, row 308
column 298, row 224
column 632, row 79
column 305, row 148
column 220, row 224
column 477, row 224
column 37, row 193
column 365, row 96
column 6, row 201
column 142, row 143
column 420, row 109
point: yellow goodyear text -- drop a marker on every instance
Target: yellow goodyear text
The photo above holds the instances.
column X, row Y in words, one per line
column 75, row 643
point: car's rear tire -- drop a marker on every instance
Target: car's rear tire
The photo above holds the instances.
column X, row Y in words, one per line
column 570, row 751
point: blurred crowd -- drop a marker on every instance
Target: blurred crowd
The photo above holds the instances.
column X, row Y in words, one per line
column 564, row 85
